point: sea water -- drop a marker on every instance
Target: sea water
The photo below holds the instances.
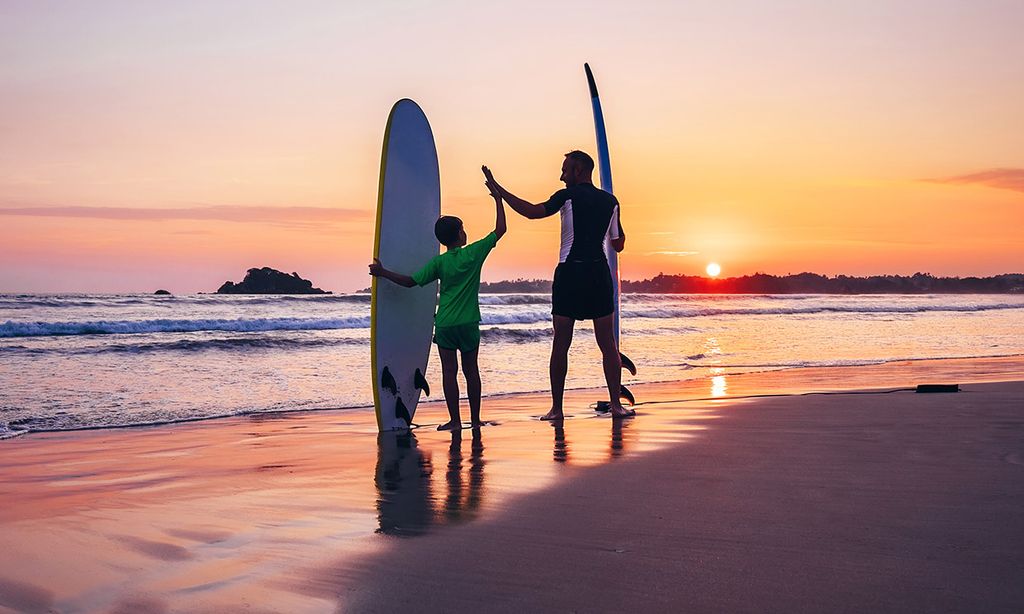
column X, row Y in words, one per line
column 93, row 361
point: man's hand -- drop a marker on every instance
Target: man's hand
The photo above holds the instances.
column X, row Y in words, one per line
column 376, row 269
column 488, row 175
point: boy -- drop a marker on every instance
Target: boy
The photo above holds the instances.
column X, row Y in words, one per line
column 457, row 322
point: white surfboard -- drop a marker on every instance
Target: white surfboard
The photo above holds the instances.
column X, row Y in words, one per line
column 402, row 319
column 604, row 166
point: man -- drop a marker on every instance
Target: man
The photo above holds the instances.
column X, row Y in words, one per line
column 582, row 288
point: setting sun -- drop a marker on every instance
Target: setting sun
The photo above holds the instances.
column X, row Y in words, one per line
column 713, row 269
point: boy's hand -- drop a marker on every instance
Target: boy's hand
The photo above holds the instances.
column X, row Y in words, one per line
column 376, row 269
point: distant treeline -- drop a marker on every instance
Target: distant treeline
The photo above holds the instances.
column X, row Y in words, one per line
column 803, row 283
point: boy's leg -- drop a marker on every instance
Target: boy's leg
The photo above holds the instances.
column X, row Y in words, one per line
column 450, row 383
column 605, row 334
column 471, row 370
column 559, row 364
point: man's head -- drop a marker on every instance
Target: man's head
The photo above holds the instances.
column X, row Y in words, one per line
column 577, row 168
column 449, row 231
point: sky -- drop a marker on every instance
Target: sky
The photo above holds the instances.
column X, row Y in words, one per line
column 149, row 145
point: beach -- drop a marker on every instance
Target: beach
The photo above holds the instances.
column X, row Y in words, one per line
column 805, row 489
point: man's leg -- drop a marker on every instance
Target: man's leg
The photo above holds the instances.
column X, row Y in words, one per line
column 450, row 381
column 471, row 370
column 559, row 364
column 605, row 334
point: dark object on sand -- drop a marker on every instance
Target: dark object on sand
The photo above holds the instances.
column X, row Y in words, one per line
column 270, row 281
column 162, row 293
column 938, row 388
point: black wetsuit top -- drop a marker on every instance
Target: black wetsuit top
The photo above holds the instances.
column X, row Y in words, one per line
column 587, row 215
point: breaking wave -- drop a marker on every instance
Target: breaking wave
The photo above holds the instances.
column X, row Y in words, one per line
column 129, row 327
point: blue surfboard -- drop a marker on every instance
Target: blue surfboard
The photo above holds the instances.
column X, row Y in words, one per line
column 604, row 166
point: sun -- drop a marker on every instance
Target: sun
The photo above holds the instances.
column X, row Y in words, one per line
column 713, row 269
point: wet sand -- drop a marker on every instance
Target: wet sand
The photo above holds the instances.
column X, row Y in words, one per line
column 883, row 501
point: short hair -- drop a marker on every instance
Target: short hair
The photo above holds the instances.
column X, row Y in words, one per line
column 447, row 228
column 583, row 159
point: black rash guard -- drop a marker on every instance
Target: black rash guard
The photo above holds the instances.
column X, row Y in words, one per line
column 588, row 214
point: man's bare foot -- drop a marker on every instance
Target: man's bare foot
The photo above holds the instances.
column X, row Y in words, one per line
column 450, row 425
column 478, row 423
column 618, row 411
column 553, row 415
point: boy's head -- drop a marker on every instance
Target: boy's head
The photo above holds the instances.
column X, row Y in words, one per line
column 449, row 231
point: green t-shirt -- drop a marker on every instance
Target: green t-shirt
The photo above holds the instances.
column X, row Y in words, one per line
column 459, row 272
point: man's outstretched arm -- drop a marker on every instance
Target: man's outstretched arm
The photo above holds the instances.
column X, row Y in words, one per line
column 522, row 207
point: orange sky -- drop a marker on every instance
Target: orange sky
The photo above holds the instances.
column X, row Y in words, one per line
column 174, row 147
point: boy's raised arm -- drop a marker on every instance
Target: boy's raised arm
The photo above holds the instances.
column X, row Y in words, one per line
column 500, row 225
column 377, row 270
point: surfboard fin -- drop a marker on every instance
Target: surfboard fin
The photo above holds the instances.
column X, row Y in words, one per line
column 421, row 382
column 402, row 412
column 387, row 382
column 627, row 364
column 624, row 393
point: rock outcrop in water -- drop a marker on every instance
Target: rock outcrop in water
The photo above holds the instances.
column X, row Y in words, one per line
column 270, row 281
column 162, row 293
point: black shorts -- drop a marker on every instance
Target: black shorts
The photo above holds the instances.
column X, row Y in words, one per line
column 582, row 290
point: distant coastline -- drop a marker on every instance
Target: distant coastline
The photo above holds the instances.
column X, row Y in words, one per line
column 802, row 283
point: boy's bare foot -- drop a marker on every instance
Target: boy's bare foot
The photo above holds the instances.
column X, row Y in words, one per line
column 553, row 415
column 478, row 423
column 450, row 425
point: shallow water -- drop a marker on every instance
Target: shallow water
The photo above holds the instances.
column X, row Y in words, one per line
column 83, row 361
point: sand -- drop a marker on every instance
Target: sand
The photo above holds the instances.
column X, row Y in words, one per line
column 705, row 502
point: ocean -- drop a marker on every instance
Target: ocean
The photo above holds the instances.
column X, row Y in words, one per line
column 74, row 361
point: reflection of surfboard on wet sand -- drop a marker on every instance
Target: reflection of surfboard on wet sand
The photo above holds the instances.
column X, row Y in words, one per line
column 605, row 173
column 402, row 319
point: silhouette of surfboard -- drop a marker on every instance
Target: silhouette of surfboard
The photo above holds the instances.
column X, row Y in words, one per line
column 605, row 174
column 402, row 319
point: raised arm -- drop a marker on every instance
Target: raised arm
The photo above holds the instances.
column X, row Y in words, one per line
column 520, row 206
column 377, row 270
column 500, row 226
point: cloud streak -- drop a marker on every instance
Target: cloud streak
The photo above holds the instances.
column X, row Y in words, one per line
column 1001, row 178
column 219, row 213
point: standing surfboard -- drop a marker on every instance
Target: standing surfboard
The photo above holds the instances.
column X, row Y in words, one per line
column 402, row 319
column 604, row 166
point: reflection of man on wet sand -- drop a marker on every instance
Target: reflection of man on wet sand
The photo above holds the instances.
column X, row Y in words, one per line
column 582, row 287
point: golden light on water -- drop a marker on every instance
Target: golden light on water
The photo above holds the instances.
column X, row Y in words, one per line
column 713, row 269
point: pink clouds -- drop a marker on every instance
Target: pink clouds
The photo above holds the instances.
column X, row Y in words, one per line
column 1001, row 178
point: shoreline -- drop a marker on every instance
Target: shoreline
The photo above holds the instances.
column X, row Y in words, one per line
column 996, row 372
